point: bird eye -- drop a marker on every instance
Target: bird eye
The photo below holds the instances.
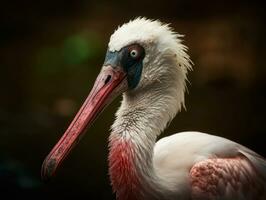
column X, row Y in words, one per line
column 134, row 53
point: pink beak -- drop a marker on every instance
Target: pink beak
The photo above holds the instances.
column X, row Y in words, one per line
column 109, row 84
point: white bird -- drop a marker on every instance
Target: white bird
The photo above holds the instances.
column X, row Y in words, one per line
column 147, row 62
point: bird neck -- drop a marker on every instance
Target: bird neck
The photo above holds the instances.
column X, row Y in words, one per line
column 140, row 119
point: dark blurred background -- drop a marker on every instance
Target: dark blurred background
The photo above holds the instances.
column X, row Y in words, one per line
column 52, row 50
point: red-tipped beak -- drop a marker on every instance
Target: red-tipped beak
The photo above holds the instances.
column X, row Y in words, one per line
column 109, row 84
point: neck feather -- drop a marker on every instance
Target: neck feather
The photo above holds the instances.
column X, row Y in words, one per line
column 140, row 119
column 124, row 176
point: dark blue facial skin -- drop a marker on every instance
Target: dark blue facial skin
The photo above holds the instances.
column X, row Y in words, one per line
column 130, row 58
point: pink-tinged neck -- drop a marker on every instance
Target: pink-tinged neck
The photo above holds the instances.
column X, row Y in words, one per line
column 122, row 169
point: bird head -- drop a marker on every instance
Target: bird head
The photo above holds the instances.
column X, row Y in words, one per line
column 142, row 55
column 148, row 52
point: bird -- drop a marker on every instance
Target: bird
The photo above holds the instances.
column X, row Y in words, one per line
column 147, row 63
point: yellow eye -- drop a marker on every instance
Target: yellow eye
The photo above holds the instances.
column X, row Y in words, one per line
column 134, row 53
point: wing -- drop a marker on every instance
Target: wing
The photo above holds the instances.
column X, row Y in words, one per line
column 214, row 167
column 228, row 178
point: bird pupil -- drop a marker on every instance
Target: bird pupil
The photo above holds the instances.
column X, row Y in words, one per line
column 133, row 53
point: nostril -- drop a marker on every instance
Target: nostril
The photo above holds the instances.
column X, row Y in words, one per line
column 108, row 78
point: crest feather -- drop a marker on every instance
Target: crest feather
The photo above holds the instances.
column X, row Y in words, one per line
column 145, row 31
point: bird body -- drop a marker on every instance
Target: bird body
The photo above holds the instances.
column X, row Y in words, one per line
column 187, row 165
column 147, row 62
column 212, row 167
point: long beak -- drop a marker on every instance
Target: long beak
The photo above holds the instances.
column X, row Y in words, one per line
column 109, row 84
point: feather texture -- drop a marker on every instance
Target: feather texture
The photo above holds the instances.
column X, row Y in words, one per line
column 188, row 165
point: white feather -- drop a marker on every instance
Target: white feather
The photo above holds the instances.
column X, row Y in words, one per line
column 146, row 111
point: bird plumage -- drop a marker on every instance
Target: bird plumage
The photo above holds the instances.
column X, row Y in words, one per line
column 212, row 167
column 147, row 62
column 140, row 167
